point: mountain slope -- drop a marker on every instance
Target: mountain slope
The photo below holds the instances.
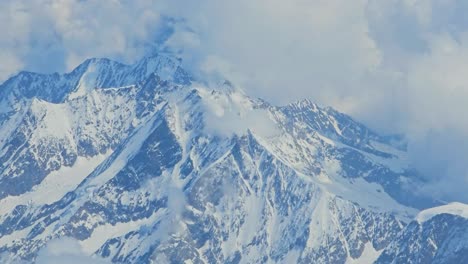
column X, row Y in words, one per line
column 143, row 163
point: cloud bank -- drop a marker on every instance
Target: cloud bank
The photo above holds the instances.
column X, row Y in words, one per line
column 397, row 65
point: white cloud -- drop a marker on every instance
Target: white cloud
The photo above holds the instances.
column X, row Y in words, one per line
column 65, row 250
column 437, row 127
column 285, row 50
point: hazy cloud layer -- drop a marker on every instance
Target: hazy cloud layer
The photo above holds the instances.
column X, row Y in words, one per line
column 397, row 65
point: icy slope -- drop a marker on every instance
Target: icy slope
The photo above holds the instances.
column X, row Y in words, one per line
column 140, row 163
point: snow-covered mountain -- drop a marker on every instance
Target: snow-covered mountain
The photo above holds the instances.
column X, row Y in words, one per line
column 145, row 164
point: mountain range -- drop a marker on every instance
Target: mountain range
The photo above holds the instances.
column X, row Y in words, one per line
column 145, row 163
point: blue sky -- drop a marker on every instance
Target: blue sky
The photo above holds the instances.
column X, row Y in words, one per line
column 397, row 65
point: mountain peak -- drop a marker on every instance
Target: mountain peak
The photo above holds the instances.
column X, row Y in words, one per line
column 304, row 104
column 104, row 63
column 91, row 74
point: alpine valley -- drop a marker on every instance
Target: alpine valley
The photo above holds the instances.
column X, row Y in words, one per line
column 144, row 163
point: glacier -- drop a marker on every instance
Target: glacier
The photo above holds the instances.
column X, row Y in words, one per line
column 145, row 163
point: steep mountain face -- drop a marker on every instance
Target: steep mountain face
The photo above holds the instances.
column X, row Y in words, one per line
column 144, row 164
column 438, row 235
column 58, row 118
